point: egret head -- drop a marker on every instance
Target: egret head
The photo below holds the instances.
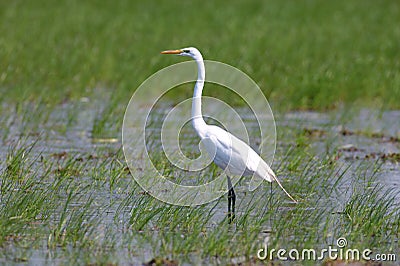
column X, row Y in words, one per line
column 190, row 51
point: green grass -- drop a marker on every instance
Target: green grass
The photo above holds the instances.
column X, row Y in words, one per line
column 304, row 54
column 68, row 69
column 83, row 207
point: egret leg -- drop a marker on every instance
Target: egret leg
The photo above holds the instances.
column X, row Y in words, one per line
column 231, row 201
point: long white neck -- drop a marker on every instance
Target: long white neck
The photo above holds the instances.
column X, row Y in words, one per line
column 197, row 118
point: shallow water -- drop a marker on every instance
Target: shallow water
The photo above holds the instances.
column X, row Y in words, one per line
column 360, row 138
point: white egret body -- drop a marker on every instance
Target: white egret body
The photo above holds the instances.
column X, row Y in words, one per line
column 230, row 153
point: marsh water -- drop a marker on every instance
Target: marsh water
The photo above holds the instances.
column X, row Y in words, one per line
column 64, row 146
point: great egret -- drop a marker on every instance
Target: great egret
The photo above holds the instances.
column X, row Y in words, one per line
column 230, row 153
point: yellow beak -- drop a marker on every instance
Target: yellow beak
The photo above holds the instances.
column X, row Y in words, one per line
column 172, row 52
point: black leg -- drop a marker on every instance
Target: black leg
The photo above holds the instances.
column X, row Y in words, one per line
column 231, row 201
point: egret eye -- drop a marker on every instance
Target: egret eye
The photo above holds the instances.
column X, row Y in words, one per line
column 186, row 51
